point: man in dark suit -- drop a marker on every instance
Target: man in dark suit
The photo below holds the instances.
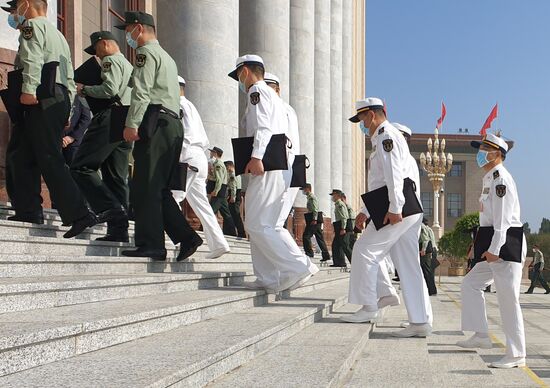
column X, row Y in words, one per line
column 74, row 132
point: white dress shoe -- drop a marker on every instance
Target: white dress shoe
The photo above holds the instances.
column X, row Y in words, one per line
column 404, row 324
column 294, row 282
column 421, row 331
column 475, row 342
column 300, row 282
column 508, row 362
column 217, row 253
column 360, row 316
column 390, row 300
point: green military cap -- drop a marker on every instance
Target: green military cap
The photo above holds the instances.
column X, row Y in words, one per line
column 96, row 37
column 11, row 6
column 307, row 186
column 136, row 18
column 335, row 191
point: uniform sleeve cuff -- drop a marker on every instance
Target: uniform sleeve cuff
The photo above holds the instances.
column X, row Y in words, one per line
column 257, row 154
column 28, row 89
column 395, row 209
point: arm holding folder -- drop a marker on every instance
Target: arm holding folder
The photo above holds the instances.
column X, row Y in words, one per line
column 392, row 162
column 260, row 110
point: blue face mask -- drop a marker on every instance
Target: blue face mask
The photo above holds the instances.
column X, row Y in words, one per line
column 242, row 86
column 12, row 22
column 133, row 43
column 482, row 158
column 364, row 129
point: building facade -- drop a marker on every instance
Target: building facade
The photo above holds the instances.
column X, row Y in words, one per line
column 462, row 185
column 316, row 47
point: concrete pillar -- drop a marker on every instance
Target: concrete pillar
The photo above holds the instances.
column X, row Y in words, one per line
column 203, row 38
column 322, row 121
column 302, row 78
column 336, row 93
column 347, row 107
column 265, row 31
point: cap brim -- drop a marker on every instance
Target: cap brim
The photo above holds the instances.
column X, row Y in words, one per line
column 233, row 75
column 121, row 26
column 8, row 9
column 90, row 50
column 354, row 119
column 475, row 144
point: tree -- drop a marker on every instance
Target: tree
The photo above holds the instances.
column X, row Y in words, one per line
column 526, row 229
column 544, row 226
column 455, row 243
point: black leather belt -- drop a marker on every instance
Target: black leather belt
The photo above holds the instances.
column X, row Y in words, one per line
column 170, row 113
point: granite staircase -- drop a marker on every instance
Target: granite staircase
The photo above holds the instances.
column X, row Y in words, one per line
column 74, row 313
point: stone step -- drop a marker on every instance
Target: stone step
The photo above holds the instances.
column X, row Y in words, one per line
column 28, row 339
column 192, row 355
column 31, row 245
column 20, row 294
column 319, row 356
column 55, row 230
column 16, row 265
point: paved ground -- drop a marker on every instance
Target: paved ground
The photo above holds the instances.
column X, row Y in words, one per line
column 437, row 362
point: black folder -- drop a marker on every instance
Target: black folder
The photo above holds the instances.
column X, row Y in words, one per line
column 378, row 203
column 46, row 89
column 89, row 73
column 337, row 227
column 12, row 95
column 309, row 218
column 178, row 180
column 275, row 157
column 147, row 128
column 299, row 167
column 510, row 251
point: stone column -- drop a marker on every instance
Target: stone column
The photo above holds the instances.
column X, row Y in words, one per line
column 336, row 93
column 265, row 31
column 203, row 38
column 322, row 162
column 347, row 106
column 302, row 78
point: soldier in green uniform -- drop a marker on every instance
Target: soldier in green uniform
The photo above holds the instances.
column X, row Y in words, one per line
column 349, row 238
column 108, row 194
column 11, row 8
column 217, row 177
column 426, row 243
column 157, row 144
column 314, row 222
column 339, row 224
column 47, row 109
column 234, row 186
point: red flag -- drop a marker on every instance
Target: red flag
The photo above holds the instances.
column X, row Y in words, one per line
column 443, row 114
column 489, row 121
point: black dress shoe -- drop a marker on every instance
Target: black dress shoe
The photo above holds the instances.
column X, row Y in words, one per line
column 155, row 254
column 186, row 250
column 115, row 237
column 34, row 218
column 338, row 266
column 325, row 259
column 81, row 224
column 527, row 292
column 547, row 292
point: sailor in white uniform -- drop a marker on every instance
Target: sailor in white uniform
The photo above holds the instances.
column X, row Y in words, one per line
column 294, row 135
column 278, row 262
column 500, row 210
column 193, row 151
column 389, row 164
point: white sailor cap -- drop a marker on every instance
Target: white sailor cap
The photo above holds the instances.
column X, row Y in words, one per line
column 402, row 128
column 366, row 105
column 181, row 80
column 249, row 59
column 272, row 79
column 493, row 141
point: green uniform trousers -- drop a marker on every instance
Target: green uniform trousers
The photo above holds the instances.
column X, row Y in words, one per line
column 39, row 153
column 221, row 205
column 11, row 150
column 110, row 191
column 155, row 209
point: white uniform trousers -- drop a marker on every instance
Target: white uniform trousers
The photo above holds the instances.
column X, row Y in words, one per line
column 507, row 278
column 276, row 257
column 384, row 286
column 196, row 196
column 289, row 195
column 401, row 241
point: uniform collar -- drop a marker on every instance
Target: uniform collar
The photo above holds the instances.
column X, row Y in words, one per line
column 152, row 41
column 489, row 174
column 375, row 134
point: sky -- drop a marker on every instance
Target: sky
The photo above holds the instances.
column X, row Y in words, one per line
column 470, row 54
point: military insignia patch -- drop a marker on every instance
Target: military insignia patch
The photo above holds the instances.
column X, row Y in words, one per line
column 500, row 190
column 28, row 32
column 496, row 174
column 140, row 60
column 381, row 131
column 254, row 98
column 388, row 145
column 107, row 67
